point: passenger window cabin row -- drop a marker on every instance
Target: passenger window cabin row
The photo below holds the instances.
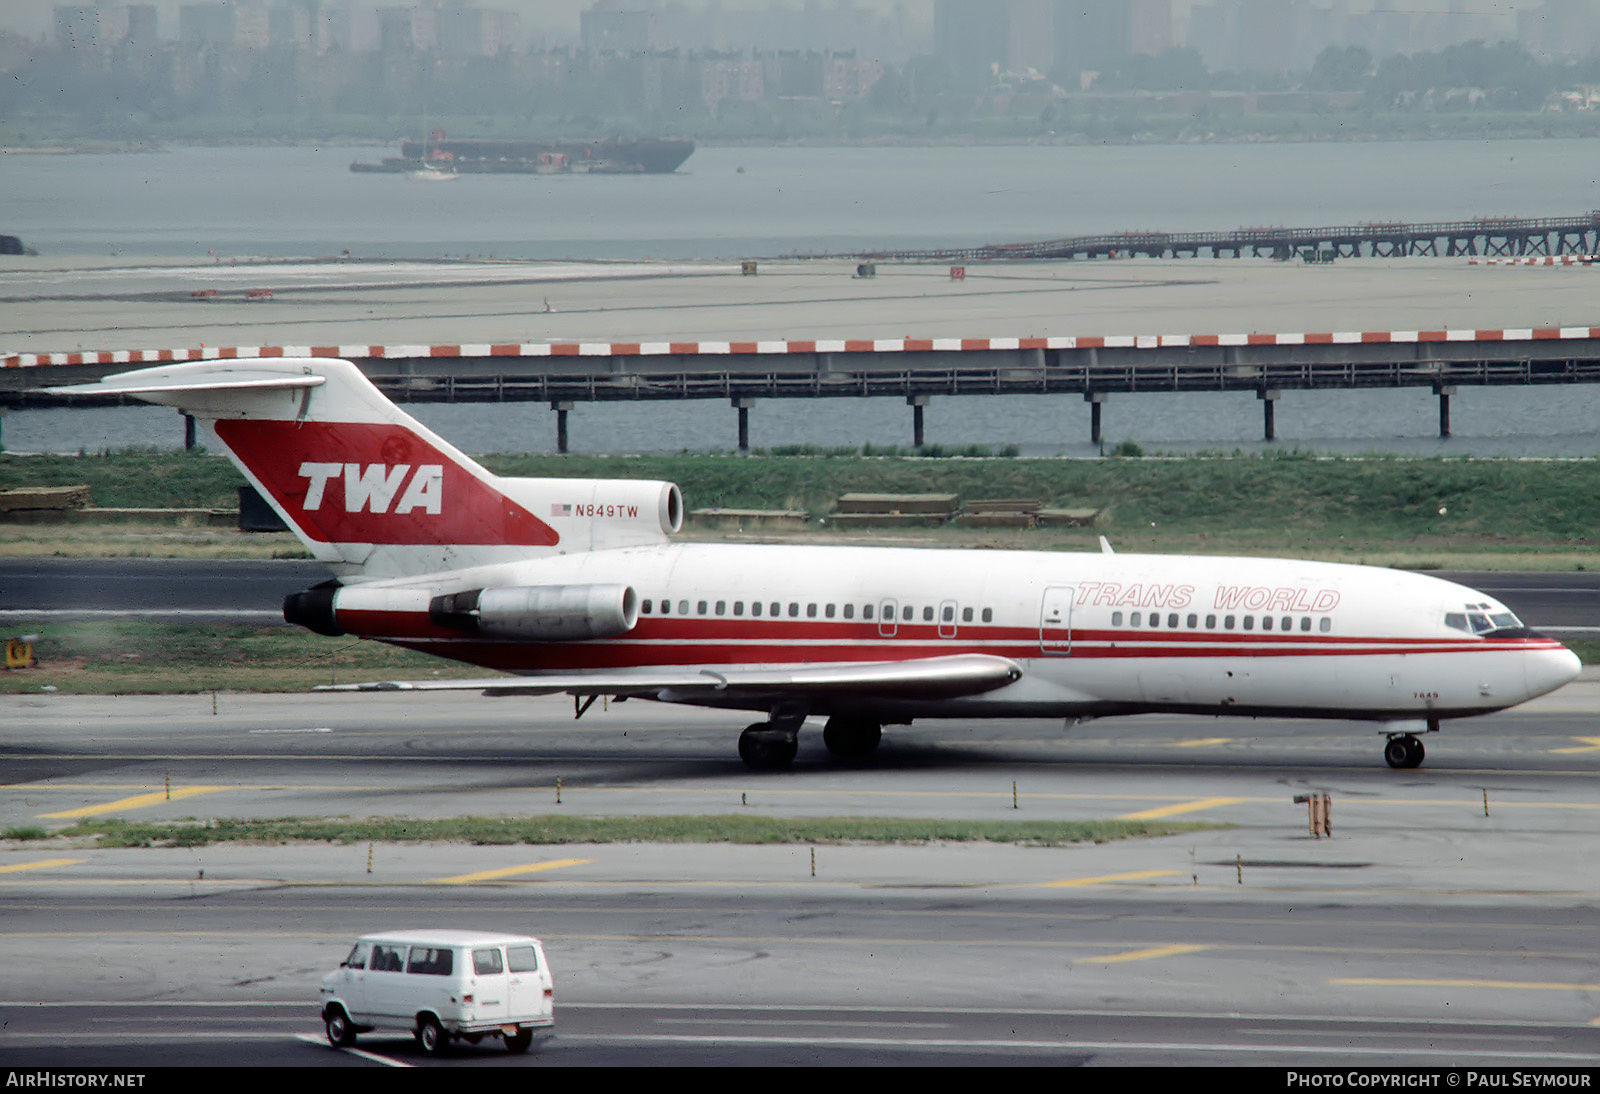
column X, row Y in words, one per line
column 947, row 614
column 775, row 609
column 1191, row 621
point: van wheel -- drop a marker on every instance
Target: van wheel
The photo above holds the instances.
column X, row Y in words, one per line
column 341, row 1034
column 520, row 1040
column 430, row 1035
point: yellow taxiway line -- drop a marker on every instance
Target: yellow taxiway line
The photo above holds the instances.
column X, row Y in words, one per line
column 1181, row 807
column 1147, row 954
column 509, row 871
column 42, row 864
column 1107, row 879
column 138, row 801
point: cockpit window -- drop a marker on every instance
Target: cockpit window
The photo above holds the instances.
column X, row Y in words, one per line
column 1481, row 618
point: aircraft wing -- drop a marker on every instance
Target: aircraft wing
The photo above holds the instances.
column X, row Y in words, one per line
column 922, row 678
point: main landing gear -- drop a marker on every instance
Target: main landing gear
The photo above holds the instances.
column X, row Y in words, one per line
column 766, row 748
column 771, row 746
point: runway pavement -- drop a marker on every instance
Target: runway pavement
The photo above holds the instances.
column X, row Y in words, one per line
column 133, row 303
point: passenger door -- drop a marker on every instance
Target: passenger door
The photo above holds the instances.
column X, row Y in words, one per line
column 490, row 985
column 386, row 983
column 528, row 980
column 1055, row 621
column 351, row 979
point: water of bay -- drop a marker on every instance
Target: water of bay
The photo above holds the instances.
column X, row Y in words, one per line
column 744, row 201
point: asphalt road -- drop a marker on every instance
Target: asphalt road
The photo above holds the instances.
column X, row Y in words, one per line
column 1448, row 921
column 253, row 591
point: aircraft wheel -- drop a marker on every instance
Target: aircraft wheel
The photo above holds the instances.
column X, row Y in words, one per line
column 851, row 738
column 766, row 749
column 1404, row 752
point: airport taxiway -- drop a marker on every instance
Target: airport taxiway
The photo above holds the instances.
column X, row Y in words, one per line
column 1449, row 918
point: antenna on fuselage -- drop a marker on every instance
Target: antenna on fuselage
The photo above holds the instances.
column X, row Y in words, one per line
column 1105, row 546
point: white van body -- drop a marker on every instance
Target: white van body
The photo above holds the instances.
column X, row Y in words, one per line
column 441, row 985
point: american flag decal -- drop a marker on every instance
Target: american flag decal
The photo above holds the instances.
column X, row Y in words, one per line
column 561, row 510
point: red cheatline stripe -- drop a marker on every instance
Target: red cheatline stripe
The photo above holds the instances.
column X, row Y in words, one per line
column 668, row 641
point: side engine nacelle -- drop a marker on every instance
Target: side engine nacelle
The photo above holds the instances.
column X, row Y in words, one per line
column 539, row 613
column 536, row 613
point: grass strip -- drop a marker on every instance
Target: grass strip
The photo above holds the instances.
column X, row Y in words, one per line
column 557, row 829
column 1282, row 499
column 133, row 657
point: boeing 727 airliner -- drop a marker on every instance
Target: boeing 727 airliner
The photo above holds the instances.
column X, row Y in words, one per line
column 576, row 586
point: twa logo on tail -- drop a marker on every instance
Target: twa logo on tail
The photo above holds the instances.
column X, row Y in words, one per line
column 380, row 483
column 374, row 486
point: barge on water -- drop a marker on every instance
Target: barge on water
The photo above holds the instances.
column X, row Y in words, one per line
column 612, row 156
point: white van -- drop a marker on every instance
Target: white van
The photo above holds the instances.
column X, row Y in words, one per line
column 441, row 985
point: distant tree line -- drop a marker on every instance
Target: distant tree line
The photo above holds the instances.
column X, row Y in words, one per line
column 178, row 92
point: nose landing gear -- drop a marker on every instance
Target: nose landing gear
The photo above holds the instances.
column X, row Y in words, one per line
column 1403, row 751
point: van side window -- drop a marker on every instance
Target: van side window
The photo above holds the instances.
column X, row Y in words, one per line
column 522, row 959
column 487, row 962
column 357, row 958
column 429, row 961
column 387, row 959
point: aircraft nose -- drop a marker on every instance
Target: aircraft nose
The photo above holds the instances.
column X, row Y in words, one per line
column 1546, row 670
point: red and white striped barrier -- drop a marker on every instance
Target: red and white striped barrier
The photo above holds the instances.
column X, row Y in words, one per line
column 843, row 345
column 1558, row 260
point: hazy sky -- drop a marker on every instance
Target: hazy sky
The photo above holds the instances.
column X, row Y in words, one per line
column 559, row 18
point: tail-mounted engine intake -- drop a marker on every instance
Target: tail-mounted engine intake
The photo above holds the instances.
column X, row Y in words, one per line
column 539, row 613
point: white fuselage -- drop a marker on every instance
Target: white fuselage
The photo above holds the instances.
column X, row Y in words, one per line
column 1095, row 633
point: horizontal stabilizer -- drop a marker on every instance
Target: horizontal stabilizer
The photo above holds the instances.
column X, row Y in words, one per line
column 204, row 376
column 922, row 678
